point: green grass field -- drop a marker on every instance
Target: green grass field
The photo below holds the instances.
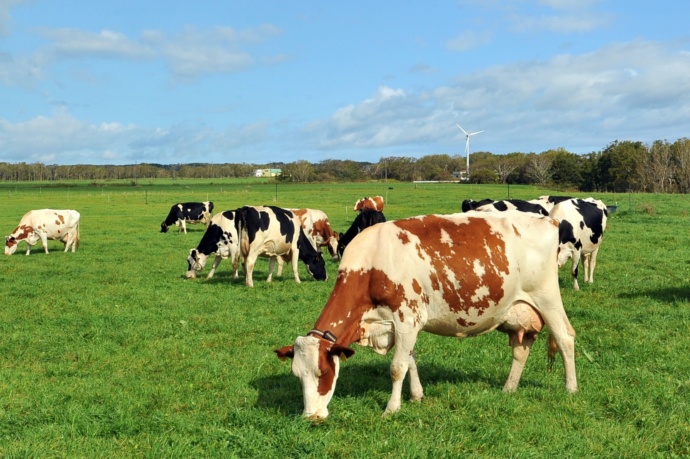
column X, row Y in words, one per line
column 110, row 352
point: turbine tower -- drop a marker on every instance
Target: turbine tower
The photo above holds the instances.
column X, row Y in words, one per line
column 467, row 147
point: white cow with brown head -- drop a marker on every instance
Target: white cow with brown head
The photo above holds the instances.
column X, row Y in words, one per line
column 453, row 275
column 44, row 224
column 318, row 229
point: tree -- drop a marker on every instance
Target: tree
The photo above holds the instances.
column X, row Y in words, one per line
column 565, row 168
column 539, row 169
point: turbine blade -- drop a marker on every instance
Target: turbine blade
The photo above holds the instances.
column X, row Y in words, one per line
column 473, row 133
column 461, row 129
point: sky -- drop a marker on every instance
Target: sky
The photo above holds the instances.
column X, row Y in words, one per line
column 214, row 81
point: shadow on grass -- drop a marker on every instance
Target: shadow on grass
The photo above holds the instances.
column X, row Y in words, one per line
column 666, row 295
column 284, row 392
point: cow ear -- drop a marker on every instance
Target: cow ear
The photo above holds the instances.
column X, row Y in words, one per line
column 342, row 352
column 286, row 352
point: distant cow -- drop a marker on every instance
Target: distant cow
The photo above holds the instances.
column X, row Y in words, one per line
column 469, row 204
column 454, row 275
column 365, row 219
column 369, row 202
column 44, row 224
column 513, row 204
column 275, row 232
column 188, row 212
column 581, row 230
column 547, row 202
column 317, row 228
column 221, row 238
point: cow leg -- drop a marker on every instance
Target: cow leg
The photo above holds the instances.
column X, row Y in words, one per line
column 249, row 262
column 573, row 269
column 520, row 354
column 216, row 262
column 416, row 389
column 44, row 241
column 591, row 263
column 271, row 267
column 281, row 262
column 402, row 361
column 563, row 334
column 184, row 227
column 235, row 265
column 295, row 264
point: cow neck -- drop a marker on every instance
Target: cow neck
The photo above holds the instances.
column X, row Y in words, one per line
column 327, row 335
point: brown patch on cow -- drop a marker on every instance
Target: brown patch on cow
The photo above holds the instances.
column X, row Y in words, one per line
column 326, row 367
column 60, row 219
column 404, row 238
column 517, row 232
column 449, row 246
column 22, row 232
column 299, row 213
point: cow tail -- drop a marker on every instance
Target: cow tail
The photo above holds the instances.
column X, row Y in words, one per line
column 78, row 236
column 242, row 233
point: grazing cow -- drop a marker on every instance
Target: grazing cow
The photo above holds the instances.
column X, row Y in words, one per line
column 469, row 204
column 513, row 204
column 365, row 219
column 547, row 202
column 317, row 228
column 369, row 202
column 188, row 212
column 221, row 238
column 581, row 230
column 452, row 275
column 44, row 224
column 274, row 232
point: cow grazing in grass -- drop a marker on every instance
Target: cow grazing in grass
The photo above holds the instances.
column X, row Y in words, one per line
column 188, row 212
column 513, row 204
column 454, row 275
column 317, row 228
column 44, row 224
column 369, row 202
column 275, row 232
column 581, row 231
column 365, row 219
column 221, row 238
column 469, row 204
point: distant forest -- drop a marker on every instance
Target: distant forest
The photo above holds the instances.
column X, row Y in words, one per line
column 623, row 166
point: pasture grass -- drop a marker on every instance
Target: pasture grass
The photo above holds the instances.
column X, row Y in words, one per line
column 110, row 352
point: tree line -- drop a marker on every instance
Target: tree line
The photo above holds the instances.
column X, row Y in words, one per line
column 623, row 166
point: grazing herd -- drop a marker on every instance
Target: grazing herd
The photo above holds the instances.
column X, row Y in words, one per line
column 492, row 267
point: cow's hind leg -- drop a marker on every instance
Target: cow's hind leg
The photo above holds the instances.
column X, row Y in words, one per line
column 590, row 264
column 576, row 261
column 562, row 334
column 416, row 389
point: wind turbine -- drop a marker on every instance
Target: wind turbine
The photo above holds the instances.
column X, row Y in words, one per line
column 467, row 147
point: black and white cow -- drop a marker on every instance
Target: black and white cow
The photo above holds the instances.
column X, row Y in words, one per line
column 582, row 223
column 221, row 238
column 365, row 219
column 513, row 204
column 275, row 232
column 188, row 212
column 469, row 204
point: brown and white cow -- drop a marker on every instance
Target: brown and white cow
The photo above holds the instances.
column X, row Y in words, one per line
column 317, row 228
column 275, row 232
column 581, row 231
column 369, row 202
column 454, row 275
column 44, row 224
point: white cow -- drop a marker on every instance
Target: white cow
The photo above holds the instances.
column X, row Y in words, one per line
column 44, row 224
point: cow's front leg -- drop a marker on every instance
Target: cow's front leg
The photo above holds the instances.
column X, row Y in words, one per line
column 44, row 241
column 573, row 270
column 216, row 262
column 295, row 265
column 520, row 354
column 404, row 345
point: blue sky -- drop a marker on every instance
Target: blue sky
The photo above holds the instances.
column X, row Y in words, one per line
column 280, row 81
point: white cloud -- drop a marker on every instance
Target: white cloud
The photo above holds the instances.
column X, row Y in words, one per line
column 469, row 40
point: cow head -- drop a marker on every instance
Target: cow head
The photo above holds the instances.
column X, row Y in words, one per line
column 316, row 362
column 316, row 265
column 164, row 228
column 195, row 263
column 10, row 245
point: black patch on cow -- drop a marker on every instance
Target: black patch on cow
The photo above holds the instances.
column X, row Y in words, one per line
column 468, row 204
column 311, row 257
column 566, row 234
column 210, row 239
column 556, row 199
column 286, row 220
column 365, row 219
column 592, row 218
column 526, row 206
column 501, row 205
